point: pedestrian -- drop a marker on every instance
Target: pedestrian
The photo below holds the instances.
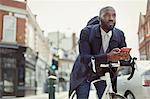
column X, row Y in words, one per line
column 93, row 44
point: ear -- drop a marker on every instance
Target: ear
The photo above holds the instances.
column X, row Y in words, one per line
column 99, row 19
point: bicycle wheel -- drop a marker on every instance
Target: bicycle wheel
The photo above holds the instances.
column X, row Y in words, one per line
column 116, row 96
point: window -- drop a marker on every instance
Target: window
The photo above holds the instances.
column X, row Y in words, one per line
column 29, row 78
column 148, row 27
column 9, row 29
column 31, row 36
column 141, row 35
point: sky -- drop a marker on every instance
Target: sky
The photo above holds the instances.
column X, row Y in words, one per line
column 70, row 16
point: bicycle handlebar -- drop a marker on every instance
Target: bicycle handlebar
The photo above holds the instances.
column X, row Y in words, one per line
column 132, row 64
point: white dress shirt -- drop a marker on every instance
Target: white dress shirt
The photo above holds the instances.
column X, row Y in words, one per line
column 105, row 39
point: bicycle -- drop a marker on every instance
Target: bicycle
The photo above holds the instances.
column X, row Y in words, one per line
column 109, row 93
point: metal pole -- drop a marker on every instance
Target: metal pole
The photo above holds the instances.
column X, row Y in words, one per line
column 1, row 89
column 146, row 52
column 51, row 86
column 51, row 90
column 58, row 41
column 1, row 82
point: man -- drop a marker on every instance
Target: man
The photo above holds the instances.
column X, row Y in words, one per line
column 97, row 41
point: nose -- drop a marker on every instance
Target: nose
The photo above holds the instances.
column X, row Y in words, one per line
column 111, row 17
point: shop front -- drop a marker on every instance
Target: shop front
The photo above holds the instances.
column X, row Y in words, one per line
column 30, row 72
column 13, row 71
column 8, row 71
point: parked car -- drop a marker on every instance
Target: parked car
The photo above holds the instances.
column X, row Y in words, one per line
column 139, row 86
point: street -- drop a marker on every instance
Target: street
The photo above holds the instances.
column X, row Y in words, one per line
column 60, row 95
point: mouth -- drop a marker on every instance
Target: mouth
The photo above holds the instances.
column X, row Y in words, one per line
column 111, row 23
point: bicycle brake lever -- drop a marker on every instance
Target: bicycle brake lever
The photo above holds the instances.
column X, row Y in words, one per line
column 93, row 64
column 133, row 68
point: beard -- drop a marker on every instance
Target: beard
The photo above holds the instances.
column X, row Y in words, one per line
column 110, row 27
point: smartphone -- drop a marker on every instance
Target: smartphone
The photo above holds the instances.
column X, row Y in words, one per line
column 125, row 50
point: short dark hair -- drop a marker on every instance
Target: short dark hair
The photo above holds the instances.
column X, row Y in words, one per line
column 104, row 9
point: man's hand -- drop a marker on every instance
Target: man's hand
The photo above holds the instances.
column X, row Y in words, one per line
column 113, row 56
column 124, row 56
column 125, row 53
column 116, row 55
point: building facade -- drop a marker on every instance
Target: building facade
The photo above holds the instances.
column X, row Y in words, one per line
column 39, row 43
column 65, row 48
column 144, row 34
column 24, row 51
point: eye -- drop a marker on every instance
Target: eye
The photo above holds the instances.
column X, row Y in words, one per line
column 106, row 15
column 109, row 15
column 114, row 15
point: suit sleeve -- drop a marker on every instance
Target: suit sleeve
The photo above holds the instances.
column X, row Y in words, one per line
column 123, row 44
column 85, row 49
column 123, row 40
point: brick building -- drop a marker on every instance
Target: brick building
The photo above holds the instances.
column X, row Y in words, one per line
column 21, row 54
column 144, row 34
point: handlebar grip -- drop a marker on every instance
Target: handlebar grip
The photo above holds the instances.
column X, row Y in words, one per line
column 132, row 73
column 133, row 68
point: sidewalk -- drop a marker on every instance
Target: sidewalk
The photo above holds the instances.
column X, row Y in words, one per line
column 60, row 95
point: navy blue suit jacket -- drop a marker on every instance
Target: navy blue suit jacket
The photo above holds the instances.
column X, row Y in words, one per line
column 89, row 45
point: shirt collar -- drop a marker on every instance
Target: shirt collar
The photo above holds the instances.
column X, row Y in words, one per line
column 104, row 33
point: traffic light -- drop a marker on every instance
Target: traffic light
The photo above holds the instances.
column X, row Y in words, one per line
column 54, row 65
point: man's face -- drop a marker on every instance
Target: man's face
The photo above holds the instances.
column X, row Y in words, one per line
column 108, row 19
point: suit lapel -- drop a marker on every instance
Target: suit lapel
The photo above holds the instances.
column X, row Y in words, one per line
column 98, row 32
column 114, row 38
column 98, row 38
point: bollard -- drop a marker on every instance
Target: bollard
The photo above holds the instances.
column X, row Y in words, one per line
column 51, row 87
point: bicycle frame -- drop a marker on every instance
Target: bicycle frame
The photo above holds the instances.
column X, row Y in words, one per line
column 108, row 90
column 108, row 93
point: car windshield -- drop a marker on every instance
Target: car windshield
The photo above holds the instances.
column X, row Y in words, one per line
column 124, row 70
column 147, row 72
